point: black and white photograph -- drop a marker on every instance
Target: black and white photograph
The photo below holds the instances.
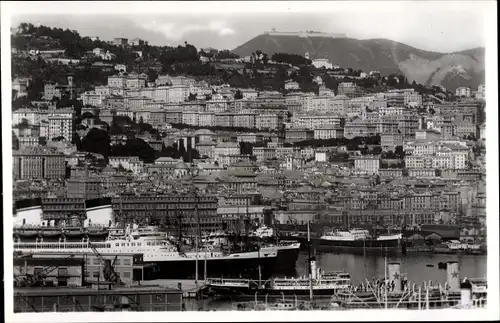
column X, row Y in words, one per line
column 267, row 159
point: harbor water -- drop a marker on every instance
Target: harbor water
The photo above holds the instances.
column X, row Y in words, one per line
column 416, row 267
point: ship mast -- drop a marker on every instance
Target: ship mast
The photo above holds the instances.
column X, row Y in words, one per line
column 310, row 261
column 197, row 233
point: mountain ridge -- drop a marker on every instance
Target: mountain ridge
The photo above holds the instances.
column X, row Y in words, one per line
column 464, row 68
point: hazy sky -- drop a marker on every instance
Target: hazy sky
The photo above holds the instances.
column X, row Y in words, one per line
column 445, row 27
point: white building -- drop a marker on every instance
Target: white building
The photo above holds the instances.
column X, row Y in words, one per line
column 320, row 156
column 463, row 91
column 291, row 85
column 322, row 62
column 369, row 164
column 61, row 124
column 305, row 121
column 328, row 132
column 92, row 98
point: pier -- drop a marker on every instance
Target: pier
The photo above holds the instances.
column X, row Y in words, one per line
column 189, row 288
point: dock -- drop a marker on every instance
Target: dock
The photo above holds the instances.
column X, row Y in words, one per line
column 189, row 287
column 85, row 299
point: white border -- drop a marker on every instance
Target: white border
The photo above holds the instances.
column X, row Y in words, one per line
column 25, row 8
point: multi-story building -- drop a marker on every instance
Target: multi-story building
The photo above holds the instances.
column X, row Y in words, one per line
column 328, row 132
column 168, row 209
column 61, row 124
column 20, row 85
column 386, row 125
column 32, row 116
column 136, row 42
column 464, row 129
column 92, row 98
column 323, row 104
column 440, row 155
column 38, row 163
column 304, row 121
column 51, row 90
column 391, row 110
column 136, row 103
column 114, row 103
column 463, row 92
column 369, row 164
column 461, row 111
column 359, row 128
column 119, row 41
column 389, row 141
column 322, row 63
column 244, row 119
column 117, row 81
column 249, row 137
column 226, row 148
column 291, row 85
column 224, row 119
column 267, row 121
column 173, row 116
column 28, row 141
column 264, row 153
column 295, row 135
column 412, row 99
column 177, row 93
column 135, row 81
column 190, row 117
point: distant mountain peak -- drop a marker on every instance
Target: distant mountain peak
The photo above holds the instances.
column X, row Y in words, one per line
column 464, row 68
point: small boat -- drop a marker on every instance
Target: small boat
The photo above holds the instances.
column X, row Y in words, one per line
column 429, row 265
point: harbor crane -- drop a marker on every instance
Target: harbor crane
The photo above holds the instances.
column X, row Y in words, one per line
column 38, row 277
column 108, row 267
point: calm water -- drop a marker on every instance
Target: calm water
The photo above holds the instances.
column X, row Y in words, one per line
column 414, row 266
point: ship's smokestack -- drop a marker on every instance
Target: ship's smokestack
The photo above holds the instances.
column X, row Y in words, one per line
column 465, row 293
column 394, row 271
column 314, row 270
column 453, row 275
column 345, row 220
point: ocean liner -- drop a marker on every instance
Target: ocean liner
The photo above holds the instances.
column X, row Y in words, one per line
column 167, row 260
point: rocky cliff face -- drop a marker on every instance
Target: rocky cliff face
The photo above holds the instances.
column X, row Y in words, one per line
column 465, row 68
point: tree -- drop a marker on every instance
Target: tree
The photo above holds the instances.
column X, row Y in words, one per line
column 399, row 152
column 238, row 95
column 192, row 97
column 96, row 141
column 152, row 75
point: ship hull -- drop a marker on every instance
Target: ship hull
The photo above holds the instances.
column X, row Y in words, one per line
column 359, row 246
column 252, row 291
column 226, row 268
column 286, row 260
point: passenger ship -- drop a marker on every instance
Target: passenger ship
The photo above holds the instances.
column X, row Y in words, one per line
column 359, row 241
column 168, row 261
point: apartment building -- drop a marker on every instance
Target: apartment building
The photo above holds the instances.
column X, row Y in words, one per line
column 328, row 131
column 32, row 116
column 295, row 135
column 389, row 141
column 305, row 121
column 38, row 163
column 61, row 124
column 267, row 121
column 369, row 164
column 359, row 128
